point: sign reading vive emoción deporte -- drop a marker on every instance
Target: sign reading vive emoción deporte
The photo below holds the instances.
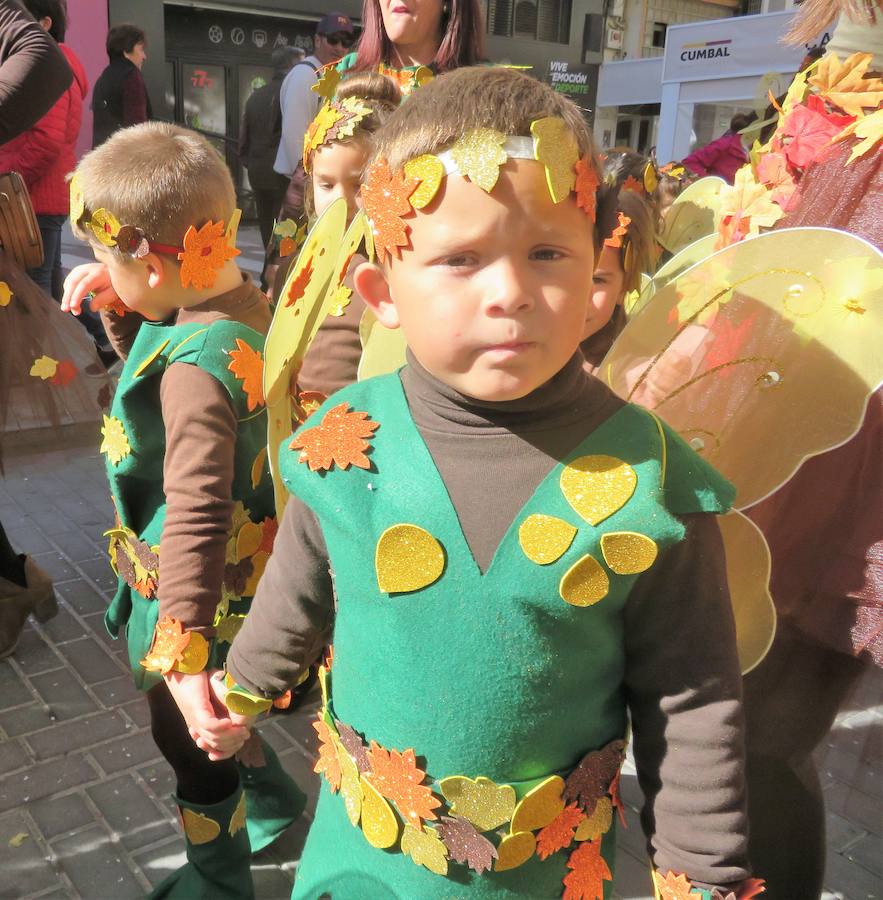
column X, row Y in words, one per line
column 744, row 45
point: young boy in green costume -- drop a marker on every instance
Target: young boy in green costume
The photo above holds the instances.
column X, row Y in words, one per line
column 184, row 448
column 521, row 561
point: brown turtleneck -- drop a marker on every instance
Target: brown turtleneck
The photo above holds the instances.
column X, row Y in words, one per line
column 682, row 680
column 200, row 426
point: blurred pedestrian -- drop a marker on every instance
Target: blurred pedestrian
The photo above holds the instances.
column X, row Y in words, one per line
column 259, row 135
column 726, row 155
column 120, row 97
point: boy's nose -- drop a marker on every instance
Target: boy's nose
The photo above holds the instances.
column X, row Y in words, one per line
column 508, row 291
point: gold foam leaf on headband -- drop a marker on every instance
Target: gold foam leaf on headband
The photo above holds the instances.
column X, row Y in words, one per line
column 78, row 202
column 428, row 170
column 354, row 112
column 479, row 154
column 555, row 146
column 105, row 227
column 385, row 197
column 326, row 118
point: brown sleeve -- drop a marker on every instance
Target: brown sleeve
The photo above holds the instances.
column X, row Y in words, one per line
column 200, row 428
column 684, row 691
column 121, row 330
column 292, row 614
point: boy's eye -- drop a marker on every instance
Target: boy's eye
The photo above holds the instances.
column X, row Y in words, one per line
column 599, row 279
column 459, row 261
column 546, row 253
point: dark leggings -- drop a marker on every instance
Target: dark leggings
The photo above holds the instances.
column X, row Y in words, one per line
column 12, row 566
column 200, row 780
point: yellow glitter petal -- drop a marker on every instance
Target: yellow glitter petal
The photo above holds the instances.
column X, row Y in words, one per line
column 479, row 154
column 379, row 823
column 627, row 552
column 44, row 367
column 340, row 301
column 585, row 582
column 228, row 627
column 515, row 850
column 149, row 359
column 194, row 656
column 598, row 823
column 407, row 558
column 429, row 171
column 248, row 540
column 199, row 829
column 326, row 86
column 115, row 443
column 259, row 561
column 257, row 468
column 545, row 538
column 105, row 227
column 597, row 486
column 555, row 146
column 5, row 294
column 482, row 802
column 539, row 806
column 426, row 849
column 237, row 820
column 350, row 784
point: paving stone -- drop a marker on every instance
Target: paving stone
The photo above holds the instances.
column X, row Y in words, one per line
column 159, row 862
column 26, row 538
column 126, row 753
column 850, row 881
column 100, row 572
column 12, row 691
column 160, row 780
column 76, row 735
column 78, row 548
column 23, row 865
column 64, row 627
column 868, row 852
column 82, row 597
column 48, row 519
column 96, row 866
column 270, row 883
column 117, row 691
column 44, row 780
column 129, row 812
column 25, row 719
column 91, row 661
column 65, row 697
column 275, row 737
column 840, row 833
column 59, row 815
column 138, row 711
column 301, row 770
column 55, row 565
column 34, row 655
column 12, row 756
column 859, row 808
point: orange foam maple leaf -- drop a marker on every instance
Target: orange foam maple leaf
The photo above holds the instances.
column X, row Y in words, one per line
column 269, row 529
column 328, row 762
column 559, row 833
column 398, row 777
column 588, row 872
column 586, row 187
column 248, row 366
column 204, row 254
column 338, row 439
column 632, row 184
column 386, row 198
column 844, row 84
column 747, row 206
column 299, row 283
column 622, row 227
column 169, row 643
column 673, row 887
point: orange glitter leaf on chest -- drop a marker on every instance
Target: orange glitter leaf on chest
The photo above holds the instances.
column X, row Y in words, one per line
column 340, row 438
column 205, row 252
column 300, row 283
column 397, row 776
column 169, row 643
column 559, row 833
column 328, row 762
column 673, row 887
column 386, row 198
column 248, row 366
column 588, row 872
column 586, row 187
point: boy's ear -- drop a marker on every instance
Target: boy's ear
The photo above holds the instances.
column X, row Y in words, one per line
column 371, row 282
column 156, row 271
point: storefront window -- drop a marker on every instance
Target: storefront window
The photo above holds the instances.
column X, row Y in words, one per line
column 204, row 97
column 540, row 20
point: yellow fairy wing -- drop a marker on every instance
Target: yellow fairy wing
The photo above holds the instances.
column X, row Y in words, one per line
column 383, row 349
column 761, row 355
column 692, row 215
column 291, row 330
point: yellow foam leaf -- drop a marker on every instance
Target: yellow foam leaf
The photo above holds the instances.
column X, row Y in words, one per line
column 482, row 802
column 597, row 486
column 407, row 558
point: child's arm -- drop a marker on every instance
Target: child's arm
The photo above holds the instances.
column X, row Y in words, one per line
column 684, row 690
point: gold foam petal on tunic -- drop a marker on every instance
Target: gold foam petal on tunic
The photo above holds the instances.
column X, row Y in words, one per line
column 627, row 552
column 585, row 582
column 237, row 820
column 145, row 364
column 379, row 822
column 428, row 170
column 259, row 561
column 407, row 558
column 248, row 540
column 545, row 538
column 199, row 829
column 539, row 806
column 425, row 848
column 598, row 823
column 515, row 850
column 257, row 468
column 597, row 486
column 483, row 802
column 350, row 784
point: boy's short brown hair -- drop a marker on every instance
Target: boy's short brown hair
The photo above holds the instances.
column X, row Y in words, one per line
column 159, row 177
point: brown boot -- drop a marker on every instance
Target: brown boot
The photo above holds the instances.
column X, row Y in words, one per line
column 17, row 603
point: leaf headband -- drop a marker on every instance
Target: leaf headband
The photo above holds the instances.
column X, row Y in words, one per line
column 203, row 255
column 337, row 120
column 477, row 155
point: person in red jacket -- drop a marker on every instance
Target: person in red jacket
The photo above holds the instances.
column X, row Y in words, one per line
column 724, row 156
column 45, row 153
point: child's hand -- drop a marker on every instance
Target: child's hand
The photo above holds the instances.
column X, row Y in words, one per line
column 219, row 691
column 92, row 281
column 208, row 722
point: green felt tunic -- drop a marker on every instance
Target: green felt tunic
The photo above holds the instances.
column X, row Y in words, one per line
column 136, row 481
column 483, row 674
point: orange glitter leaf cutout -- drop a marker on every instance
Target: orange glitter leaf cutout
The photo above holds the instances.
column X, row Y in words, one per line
column 586, row 186
column 169, row 643
column 397, row 776
column 616, row 798
column 300, row 283
column 338, row 439
column 247, row 365
column 752, row 888
column 632, row 184
column 205, row 252
column 588, row 872
column 615, row 239
column 673, row 887
column 386, row 198
column 329, row 762
column 559, row 833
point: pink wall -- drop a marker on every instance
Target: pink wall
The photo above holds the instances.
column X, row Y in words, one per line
column 86, row 31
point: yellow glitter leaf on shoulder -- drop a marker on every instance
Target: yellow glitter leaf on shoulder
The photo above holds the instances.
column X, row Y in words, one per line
column 379, row 823
column 545, row 538
column 585, row 582
column 426, row 849
column 556, row 147
column 515, row 850
column 407, row 558
column 627, row 552
column 479, row 154
column 597, row 486
column 482, row 802
column 539, row 806
column 199, row 829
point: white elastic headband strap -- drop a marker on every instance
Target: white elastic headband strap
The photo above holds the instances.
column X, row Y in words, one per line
column 515, row 147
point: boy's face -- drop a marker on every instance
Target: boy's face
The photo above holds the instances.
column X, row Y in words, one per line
column 492, row 297
column 608, row 290
column 136, row 283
